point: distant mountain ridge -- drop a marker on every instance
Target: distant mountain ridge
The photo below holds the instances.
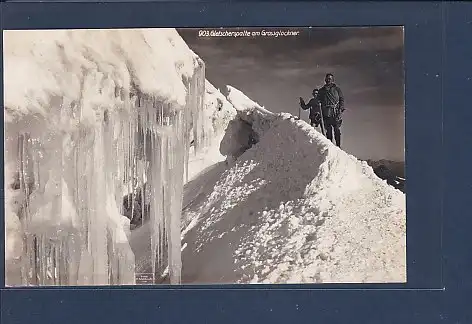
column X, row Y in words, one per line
column 391, row 171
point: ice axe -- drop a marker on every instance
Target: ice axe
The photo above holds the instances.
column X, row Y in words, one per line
column 299, row 107
column 322, row 126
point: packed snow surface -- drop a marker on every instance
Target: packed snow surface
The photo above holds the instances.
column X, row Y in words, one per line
column 293, row 208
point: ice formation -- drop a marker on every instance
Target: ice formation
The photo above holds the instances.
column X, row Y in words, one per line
column 92, row 116
column 216, row 114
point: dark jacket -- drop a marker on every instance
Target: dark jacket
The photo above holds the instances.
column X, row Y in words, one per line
column 332, row 101
column 313, row 105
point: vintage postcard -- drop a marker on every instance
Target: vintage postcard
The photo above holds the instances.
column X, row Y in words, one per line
column 204, row 156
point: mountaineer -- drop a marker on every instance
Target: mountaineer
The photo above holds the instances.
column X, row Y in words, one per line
column 331, row 100
column 314, row 106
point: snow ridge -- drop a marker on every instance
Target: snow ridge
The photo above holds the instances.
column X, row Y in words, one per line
column 294, row 208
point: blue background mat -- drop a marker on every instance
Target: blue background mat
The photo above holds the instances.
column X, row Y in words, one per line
column 438, row 62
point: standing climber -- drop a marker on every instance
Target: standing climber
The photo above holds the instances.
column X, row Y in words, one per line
column 331, row 99
column 315, row 112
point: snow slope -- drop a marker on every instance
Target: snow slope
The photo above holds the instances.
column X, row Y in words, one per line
column 292, row 208
column 77, row 104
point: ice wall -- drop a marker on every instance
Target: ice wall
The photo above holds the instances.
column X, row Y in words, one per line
column 91, row 116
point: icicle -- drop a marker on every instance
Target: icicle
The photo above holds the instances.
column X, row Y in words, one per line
column 201, row 102
column 186, row 129
column 176, row 189
column 154, row 176
column 197, row 93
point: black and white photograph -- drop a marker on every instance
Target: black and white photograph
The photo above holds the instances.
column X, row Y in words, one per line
column 194, row 156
